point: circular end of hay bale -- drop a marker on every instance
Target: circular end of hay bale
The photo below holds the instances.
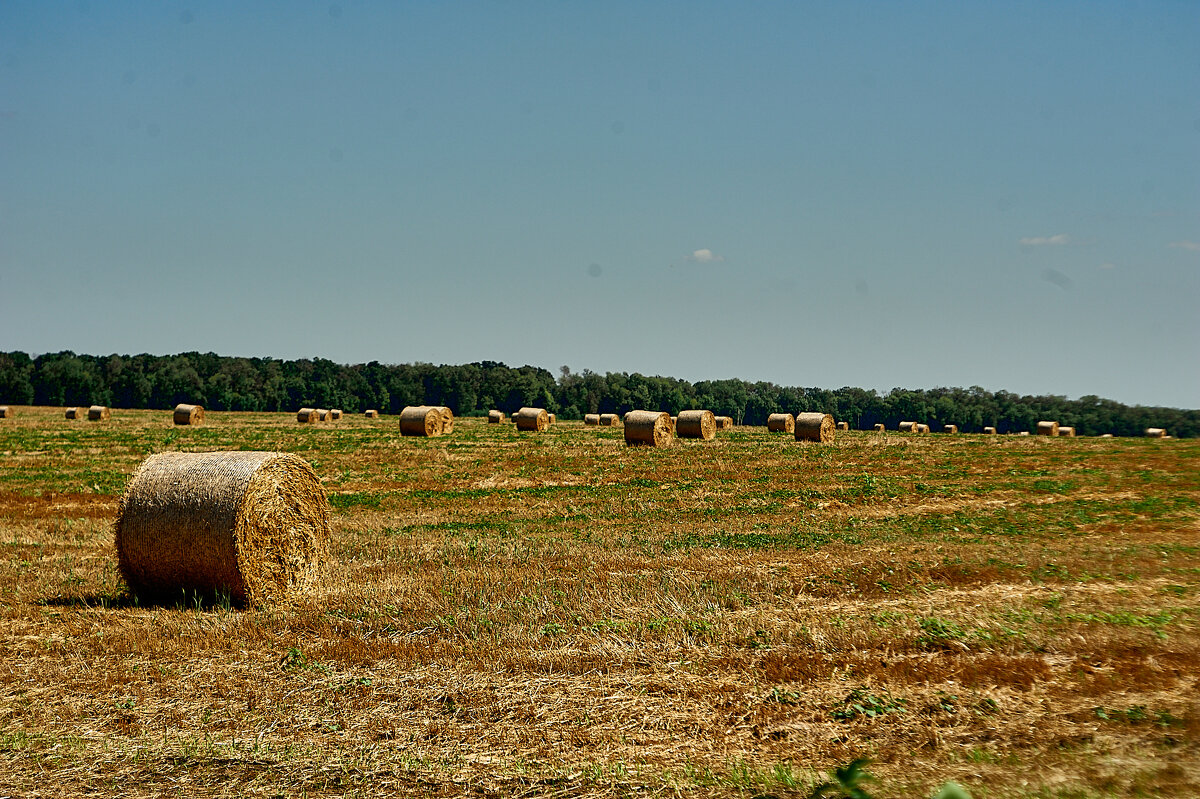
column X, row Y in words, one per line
column 907, row 427
column 421, row 420
column 922, row 428
column 609, row 420
column 188, row 414
column 648, row 429
column 724, row 422
column 553, row 418
column 696, row 424
column 1047, row 428
column 447, row 419
column 814, row 427
column 591, row 418
column 252, row 525
column 307, row 415
column 532, row 419
column 781, row 423
column 99, row 413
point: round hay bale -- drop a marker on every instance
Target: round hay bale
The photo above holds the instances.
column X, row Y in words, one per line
column 420, row 420
column 6, row 412
column 535, row 419
column 254, row 525
column 1047, row 428
column 99, row 413
column 609, row 420
column 696, row 424
column 307, row 415
column 1153, row 432
column 989, row 431
column 335, row 414
column 591, row 418
column 188, row 414
column 879, row 428
column 1023, row 433
column 724, row 422
column 447, row 419
column 648, row 429
column 907, row 427
column 553, row 418
column 674, row 420
column 950, row 428
column 323, row 414
column 495, row 417
column 72, row 413
column 371, row 414
column 814, row 427
column 922, row 428
column 843, row 426
column 781, row 423
column 1109, row 435
column 1066, row 432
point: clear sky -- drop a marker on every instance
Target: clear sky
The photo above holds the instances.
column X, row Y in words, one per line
column 871, row 194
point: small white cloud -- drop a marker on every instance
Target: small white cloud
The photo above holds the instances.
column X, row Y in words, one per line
column 705, row 256
column 1191, row 246
column 1043, row 241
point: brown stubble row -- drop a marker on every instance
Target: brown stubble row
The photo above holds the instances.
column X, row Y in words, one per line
column 548, row 612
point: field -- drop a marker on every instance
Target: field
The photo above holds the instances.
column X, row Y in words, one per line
column 520, row 614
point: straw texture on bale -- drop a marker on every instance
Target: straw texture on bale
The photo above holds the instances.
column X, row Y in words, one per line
column 99, row 413
column 724, row 422
column 950, row 428
column 674, row 419
column 1066, row 431
column 495, row 417
column 814, row 427
column 371, row 414
column 421, row 420
column 535, row 419
column 648, row 429
column 781, row 423
column 989, row 431
column 609, row 420
column 843, row 426
column 696, row 424
column 306, row 415
column 72, row 413
column 907, row 427
column 1155, row 432
column 447, row 419
column 254, row 525
column 335, row 413
column 879, row 428
column 188, row 414
column 1047, row 428
column 591, row 418
column 323, row 414
column 6, row 412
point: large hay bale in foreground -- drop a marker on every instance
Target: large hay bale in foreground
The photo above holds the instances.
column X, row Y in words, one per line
column 950, row 428
column 495, row 417
column 814, row 427
column 6, row 412
column 72, row 413
column 843, row 426
column 907, row 427
column 99, row 413
column 1047, row 428
column 307, row 415
column 421, row 420
column 781, row 423
column 254, row 525
column 447, row 419
column 591, row 418
column 648, row 429
column 371, row 413
column 535, row 419
column 609, row 420
column 989, row 431
column 696, row 424
column 188, row 414
column 1065, row 431
column 1154, row 432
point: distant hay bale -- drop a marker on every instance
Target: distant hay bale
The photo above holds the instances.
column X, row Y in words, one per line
column 99, row 413
column 950, row 428
column 447, row 419
column 1155, row 432
column 781, row 423
column 843, row 426
column 553, row 418
column 1109, row 435
column 1066, row 432
column 922, row 428
column 188, row 414
column 1023, row 433
column 420, row 420
column 591, row 418
column 72, row 413
column 814, row 427
column 335, row 414
column 6, row 412
column 989, row 431
column 323, row 414
column 648, row 429
column 724, row 422
column 609, row 420
column 907, row 427
column 495, row 417
column 879, row 428
column 535, row 419
column 1047, row 428
column 307, row 415
column 254, row 525
column 696, row 424
column 371, row 414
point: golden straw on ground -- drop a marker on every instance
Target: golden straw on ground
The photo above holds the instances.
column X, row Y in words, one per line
column 648, row 429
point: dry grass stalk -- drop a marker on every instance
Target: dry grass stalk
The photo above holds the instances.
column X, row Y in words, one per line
column 421, row 420
column 495, row 417
column 99, row 413
column 72, row 413
column 648, row 429
column 371, row 413
column 1156, row 432
column 253, row 525
column 591, row 418
column 907, row 427
column 814, row 427
column 609, row 420
column 1047, row 428
column 696, row 424
column 781, row 423
column 843, row 426
column 534, row 419
column 447, row 419
column 307, row 415
column 989, row 431
column 950, row 428
column 188, row 414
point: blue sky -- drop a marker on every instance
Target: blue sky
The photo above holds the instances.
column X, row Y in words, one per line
column 819, row 194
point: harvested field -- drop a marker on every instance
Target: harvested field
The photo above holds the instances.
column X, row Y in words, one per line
column 564, row 615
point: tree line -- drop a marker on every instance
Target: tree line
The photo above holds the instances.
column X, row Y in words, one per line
column 267, row 384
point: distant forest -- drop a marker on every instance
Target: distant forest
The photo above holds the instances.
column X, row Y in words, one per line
column 266, row 384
